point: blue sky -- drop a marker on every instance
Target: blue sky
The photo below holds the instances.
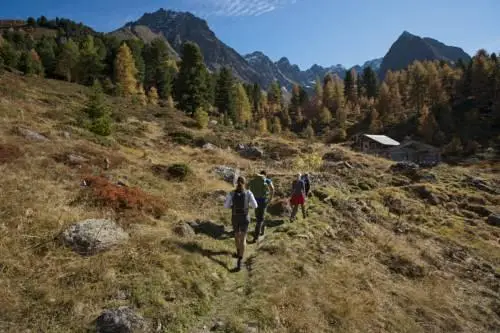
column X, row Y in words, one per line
column 326, row 32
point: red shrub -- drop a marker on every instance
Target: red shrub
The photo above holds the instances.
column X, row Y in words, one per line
column 104, row 193
column 9, row 153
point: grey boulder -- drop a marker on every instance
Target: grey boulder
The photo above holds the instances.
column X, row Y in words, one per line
column 93, row 236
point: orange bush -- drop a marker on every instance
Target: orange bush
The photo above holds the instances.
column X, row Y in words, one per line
column 104, row 193
column 9, row 153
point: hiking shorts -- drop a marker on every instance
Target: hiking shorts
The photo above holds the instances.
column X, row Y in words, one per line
column 240, row 223
column 297, row 199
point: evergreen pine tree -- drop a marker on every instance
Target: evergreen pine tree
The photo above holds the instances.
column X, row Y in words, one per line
column 274, row 96
column 160, row 70
column 90, row 64
column 351, row 86
column 257, row 100
column 97, row 111
column 9, row 54
column 370, row 83
column 191, row 86
column 125, row 72
column 224, row 93
column 67, row 62
column 46, row 49
column 30, row 63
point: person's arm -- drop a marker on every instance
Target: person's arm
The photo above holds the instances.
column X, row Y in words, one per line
column 229, row 201
column 252, row 203
column 271, row 189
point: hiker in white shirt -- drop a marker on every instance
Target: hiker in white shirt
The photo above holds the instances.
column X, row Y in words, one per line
column 240, row 201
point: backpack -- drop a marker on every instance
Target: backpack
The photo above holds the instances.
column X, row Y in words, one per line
column 259, row 187
column 307, row 183
column 239, row 203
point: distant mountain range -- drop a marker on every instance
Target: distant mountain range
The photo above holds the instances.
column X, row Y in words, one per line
column 178, row 27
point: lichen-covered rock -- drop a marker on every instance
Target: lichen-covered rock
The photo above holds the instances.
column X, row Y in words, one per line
column 31, row 135
column 250, row 151
column 94, row 235
column 121, row 320
column 227, row 173
column 280, row 208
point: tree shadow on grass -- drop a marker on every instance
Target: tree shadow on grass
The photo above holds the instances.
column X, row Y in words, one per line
column 274, row 223
column 193, row 247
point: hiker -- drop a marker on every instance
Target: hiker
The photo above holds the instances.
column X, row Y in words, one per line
column 298, row 197
column 263, row 190
column 240, row 200
column 307, row 184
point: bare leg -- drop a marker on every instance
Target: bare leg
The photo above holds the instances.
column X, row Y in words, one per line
column 237, row 243
column 295, row 208
column 243, row 244
column 303, row 206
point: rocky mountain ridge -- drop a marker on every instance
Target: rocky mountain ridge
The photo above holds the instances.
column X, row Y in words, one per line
column 178, row 27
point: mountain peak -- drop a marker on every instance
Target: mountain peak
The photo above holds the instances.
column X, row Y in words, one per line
column 284, row 60
column 409, row 48
column 407, row 34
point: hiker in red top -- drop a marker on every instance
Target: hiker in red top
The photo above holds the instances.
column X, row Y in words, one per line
column 298, row 197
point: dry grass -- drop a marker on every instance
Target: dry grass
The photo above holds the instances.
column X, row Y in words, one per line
column 374, row 256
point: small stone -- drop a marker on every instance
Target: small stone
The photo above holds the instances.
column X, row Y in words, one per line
column 76, row 159
column 494, row 220
column 184, row 230
column 209, row 146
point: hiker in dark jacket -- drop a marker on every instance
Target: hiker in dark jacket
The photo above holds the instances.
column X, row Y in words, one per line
column 307, row 184
column 240, row 201
column 298, row 197
column 263, row 190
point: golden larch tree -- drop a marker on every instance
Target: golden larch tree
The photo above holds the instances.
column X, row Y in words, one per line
column 243, row 109
column 125, row 72
column 153, row 96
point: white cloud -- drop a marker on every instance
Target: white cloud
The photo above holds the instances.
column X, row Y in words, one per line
column 236, row 7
